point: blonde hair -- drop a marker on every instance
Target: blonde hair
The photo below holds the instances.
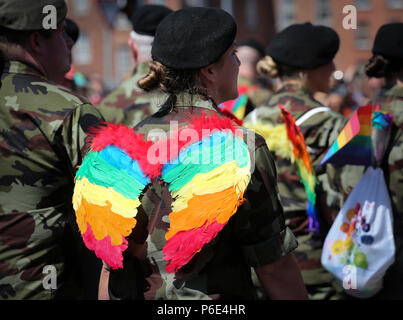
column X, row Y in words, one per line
column 268, row 67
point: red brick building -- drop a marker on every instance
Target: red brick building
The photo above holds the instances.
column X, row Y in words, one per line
column 356, row 44
column 102, row 48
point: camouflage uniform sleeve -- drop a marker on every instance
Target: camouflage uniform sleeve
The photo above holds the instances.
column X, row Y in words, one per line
column 74, row 132
column 260, row 226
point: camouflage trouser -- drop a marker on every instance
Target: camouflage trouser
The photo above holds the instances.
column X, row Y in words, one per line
column 319, row 283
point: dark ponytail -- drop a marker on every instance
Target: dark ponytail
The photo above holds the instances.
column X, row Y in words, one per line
column 173, row 82
column 154, row 77
column 380, row 67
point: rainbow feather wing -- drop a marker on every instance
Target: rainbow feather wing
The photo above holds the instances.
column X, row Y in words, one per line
column 106, row 194
column 207, row 181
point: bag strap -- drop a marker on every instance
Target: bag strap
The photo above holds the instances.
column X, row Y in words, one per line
column 310, row 113
column 384, row 164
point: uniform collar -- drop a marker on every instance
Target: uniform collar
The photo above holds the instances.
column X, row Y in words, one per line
column 142, row 69
column 294, row 87
column 396, row 91
column 14, row 67
column 185, row 99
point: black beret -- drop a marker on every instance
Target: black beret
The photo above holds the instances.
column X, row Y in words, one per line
column 304, row 46
column 72, row 30
column 28, row 14
column 147, row 18
column 389, row 41
column 193, row 38
column 253, row 44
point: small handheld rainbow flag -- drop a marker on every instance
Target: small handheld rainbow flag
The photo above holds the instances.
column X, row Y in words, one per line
column 237, row 107
column 353, row 145
column 304, row 165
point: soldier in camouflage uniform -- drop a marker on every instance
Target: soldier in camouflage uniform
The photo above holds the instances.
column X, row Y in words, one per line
column 387, row 62
column 128, row 104
column 309, row 50
column 256, row 235
column 43, row 131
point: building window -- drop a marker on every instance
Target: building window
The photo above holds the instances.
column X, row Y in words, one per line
column 124, row 61
column 227, row 5
column 160, row 2
column 395, row 4
column 196, row 3
column 81, row 7
column 251, row 14
column 285, row 13
column 363, row 5
column 323, row 12
column 122, row 22
column 82, row 50
column 362, row 38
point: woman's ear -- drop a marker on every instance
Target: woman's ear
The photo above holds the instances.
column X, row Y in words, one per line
column 133, row 47
column 34, row 42
column 208, row 74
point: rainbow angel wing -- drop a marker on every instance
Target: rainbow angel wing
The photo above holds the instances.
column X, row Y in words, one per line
column 106, row 194
column 207, row 178
column 207, row 181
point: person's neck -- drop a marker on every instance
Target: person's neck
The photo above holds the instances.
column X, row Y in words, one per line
column 311, row 88
column 399, row 80
column 15, row 52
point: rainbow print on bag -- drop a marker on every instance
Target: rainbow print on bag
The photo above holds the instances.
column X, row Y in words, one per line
column 211, row 172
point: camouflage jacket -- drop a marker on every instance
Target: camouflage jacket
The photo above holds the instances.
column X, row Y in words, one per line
column 128, row 104
column 390, row 101
column 43, row 131
column 256, row 235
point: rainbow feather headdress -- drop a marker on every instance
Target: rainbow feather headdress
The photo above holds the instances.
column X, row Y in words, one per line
column 207, row 178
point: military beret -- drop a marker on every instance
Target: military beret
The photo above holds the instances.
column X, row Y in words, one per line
column 72, row 30
column 389, row 41
column 28, row 14
column 147, row 18
column 304, row 46
column 193, row 38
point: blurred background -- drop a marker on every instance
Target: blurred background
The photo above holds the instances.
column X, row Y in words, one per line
column 103, row 59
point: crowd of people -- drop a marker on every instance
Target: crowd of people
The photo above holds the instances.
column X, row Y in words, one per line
column 78, row 190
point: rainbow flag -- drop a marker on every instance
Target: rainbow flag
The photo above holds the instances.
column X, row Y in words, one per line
column 353, row 145
column 304, row 165
column 237, row 107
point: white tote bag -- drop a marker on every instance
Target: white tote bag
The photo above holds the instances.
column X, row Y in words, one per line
column 360, row 247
